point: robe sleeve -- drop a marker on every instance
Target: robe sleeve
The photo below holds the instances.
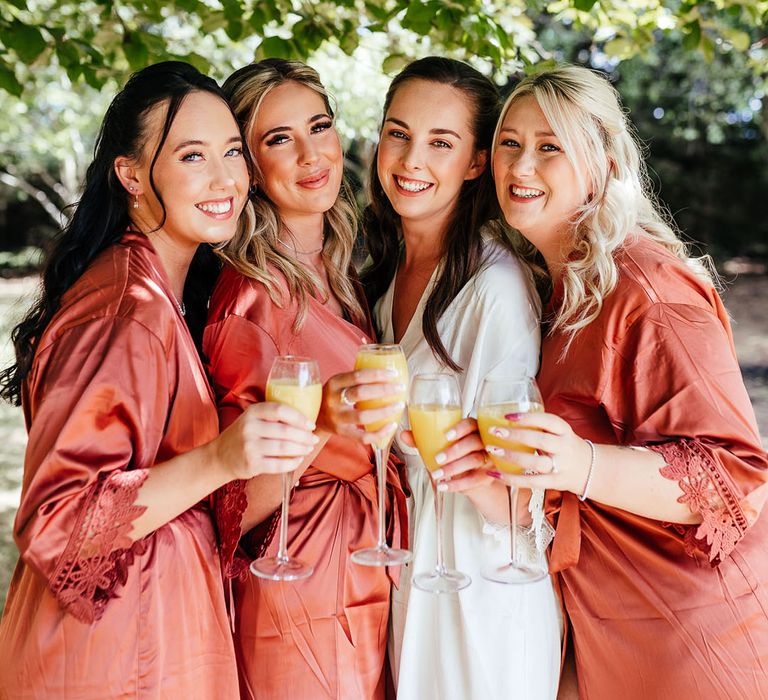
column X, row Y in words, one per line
column 98, row 401
column 676, row 388
column 240, row 356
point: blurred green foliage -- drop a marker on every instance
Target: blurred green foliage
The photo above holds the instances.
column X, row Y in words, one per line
column 694, row 74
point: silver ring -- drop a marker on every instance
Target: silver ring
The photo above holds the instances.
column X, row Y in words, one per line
column 344, row 398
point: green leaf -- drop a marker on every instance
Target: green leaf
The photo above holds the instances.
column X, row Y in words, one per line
column 394, row 63
column 692, row 35
column 27, row 41
column 418, row 18
column 67, row 53
column 584, row 5
column 135, row 51
column 275, row 47
column 8, row 81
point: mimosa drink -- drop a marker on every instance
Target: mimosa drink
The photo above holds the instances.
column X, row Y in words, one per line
column 429, row 423
column 290, row 391
column 493, row 416
column 383, row 357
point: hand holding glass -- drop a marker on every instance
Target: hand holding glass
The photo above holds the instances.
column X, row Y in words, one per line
column 294, row 381
column 435, row 407
column 500, row 396
column 382, row 357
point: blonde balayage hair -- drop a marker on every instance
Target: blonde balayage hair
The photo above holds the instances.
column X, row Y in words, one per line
column 584, row 111
column 255, row 244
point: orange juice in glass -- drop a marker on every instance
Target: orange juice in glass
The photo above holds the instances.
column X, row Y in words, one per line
column 492, row 416
column 434, row 407
column 292, row 392
column 382, row 357
column 498, row 397
column 429, row 423
column 294, row 381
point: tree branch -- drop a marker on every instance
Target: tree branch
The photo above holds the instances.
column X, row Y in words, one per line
column 56, row 214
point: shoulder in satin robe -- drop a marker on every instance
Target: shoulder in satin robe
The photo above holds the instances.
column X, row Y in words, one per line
column 116, row 386
column 324, row 636
column 660, row 610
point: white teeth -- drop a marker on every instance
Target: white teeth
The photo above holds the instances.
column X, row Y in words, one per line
column 216, row 207
column 412, row 185
column 524, row 192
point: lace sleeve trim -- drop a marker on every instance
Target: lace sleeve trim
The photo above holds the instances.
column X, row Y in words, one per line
column 705, row 492
column 532, row 540
column 230, row 502
column 100, row 551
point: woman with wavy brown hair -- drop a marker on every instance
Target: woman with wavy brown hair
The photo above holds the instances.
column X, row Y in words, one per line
column 288, row 288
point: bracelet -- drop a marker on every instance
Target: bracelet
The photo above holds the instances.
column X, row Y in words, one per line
column 591, row 471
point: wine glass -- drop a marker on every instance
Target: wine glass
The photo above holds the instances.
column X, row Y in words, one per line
column 294, row 381
column 498, row 397
column 382, row 357
column 435, row 407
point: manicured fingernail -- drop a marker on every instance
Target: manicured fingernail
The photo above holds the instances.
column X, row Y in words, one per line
column 440, row 458
column 493, row 450
column 514, row 416
column 442, row 487
column 400, row 387
column 499, row 432
column 495, row 475
column 391, row 372
column 311, row 426
column 450, row 435
column 399, row 406
column 438, row 474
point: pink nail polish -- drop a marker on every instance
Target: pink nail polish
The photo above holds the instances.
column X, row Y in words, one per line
column 495, row 475
column 514, row 416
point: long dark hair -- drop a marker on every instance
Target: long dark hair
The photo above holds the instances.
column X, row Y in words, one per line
column 101, row 218
column 476, row 206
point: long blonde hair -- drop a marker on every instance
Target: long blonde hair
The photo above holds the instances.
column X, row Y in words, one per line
column 255, row 244
column 584, row 112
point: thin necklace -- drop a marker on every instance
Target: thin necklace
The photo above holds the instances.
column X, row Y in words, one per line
column 295, row 250
column 182, row 307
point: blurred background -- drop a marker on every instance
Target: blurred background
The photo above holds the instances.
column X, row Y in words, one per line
column 693, row 76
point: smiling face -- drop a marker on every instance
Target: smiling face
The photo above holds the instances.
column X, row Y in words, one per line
column 200, row 174
column 538, row 188
column 427, row 152
column 297, row 152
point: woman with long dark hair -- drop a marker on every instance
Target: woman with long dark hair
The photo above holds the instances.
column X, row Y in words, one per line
column 118, row 590
column 448, row 288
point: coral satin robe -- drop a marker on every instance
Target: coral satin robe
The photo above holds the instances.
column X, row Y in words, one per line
column 324, row 636
column 658, row 610
column 116, row 386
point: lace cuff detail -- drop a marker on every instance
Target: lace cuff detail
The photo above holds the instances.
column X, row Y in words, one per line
column 100, row 551
column 230, row 502
column 533, row 539
column 706, row 492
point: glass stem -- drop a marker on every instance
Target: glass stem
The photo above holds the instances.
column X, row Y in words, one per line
column 381, row 475
column 512, row 524
column 439, row 498
column 282, row 550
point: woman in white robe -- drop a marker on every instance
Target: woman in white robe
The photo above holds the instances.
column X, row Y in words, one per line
column 458, row 301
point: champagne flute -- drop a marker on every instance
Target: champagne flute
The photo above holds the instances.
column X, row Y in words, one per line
column 433, row 408
column 382, row 357
column 498, row 397
column 294, row 381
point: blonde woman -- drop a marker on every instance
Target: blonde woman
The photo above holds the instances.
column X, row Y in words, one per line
column 661, row 536
column 288, row 288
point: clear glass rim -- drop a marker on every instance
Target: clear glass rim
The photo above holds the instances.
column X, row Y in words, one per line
column 433, row 376
column 293, row 359
column 381, row 348
column 509, row 379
